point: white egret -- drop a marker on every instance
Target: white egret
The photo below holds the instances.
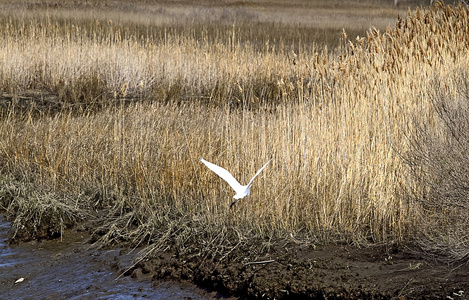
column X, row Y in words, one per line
column 241, row 190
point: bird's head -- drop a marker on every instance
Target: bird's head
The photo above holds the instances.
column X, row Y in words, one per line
column 242, row 194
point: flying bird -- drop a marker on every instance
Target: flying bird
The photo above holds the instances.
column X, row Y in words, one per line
column 241, row 190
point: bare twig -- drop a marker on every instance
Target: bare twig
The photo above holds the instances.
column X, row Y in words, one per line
column 259, row 262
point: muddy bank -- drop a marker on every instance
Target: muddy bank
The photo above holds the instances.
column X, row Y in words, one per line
column 291, row 271
column 69, row 268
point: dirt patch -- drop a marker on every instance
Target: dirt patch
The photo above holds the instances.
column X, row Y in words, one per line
column 292, row 270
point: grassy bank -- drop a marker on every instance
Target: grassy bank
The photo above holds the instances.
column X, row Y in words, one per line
column 105, row 119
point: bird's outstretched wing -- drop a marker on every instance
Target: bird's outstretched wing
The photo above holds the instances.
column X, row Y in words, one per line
column 224, row 174
column 258, row 172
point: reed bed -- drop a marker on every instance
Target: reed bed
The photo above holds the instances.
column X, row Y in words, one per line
column 336, row 123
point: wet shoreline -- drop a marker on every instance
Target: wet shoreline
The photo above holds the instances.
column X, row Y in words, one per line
column 71, row 269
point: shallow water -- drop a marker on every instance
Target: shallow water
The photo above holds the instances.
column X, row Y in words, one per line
column 68, row 269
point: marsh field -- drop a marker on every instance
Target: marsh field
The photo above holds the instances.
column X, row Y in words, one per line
column 107, row 106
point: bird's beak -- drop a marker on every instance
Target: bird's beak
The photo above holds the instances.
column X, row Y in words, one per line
column 231, row 205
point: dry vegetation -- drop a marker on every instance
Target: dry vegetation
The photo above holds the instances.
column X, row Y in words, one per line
column 107, row 119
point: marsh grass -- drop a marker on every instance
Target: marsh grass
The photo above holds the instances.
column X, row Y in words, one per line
column 151, row 106
column 438, row 161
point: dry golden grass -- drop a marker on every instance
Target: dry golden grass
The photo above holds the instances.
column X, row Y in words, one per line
column 332, row 120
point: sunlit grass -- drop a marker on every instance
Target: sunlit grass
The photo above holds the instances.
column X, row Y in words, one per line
column 149, row 107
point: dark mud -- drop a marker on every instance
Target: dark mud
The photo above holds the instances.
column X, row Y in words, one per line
column 296, row 271
column 69, row 268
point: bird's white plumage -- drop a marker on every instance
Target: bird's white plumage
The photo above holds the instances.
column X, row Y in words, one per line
column 224, row 174
column 241, row 190
column 258, row 172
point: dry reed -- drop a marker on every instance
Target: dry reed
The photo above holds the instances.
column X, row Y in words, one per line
column 332, row 120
